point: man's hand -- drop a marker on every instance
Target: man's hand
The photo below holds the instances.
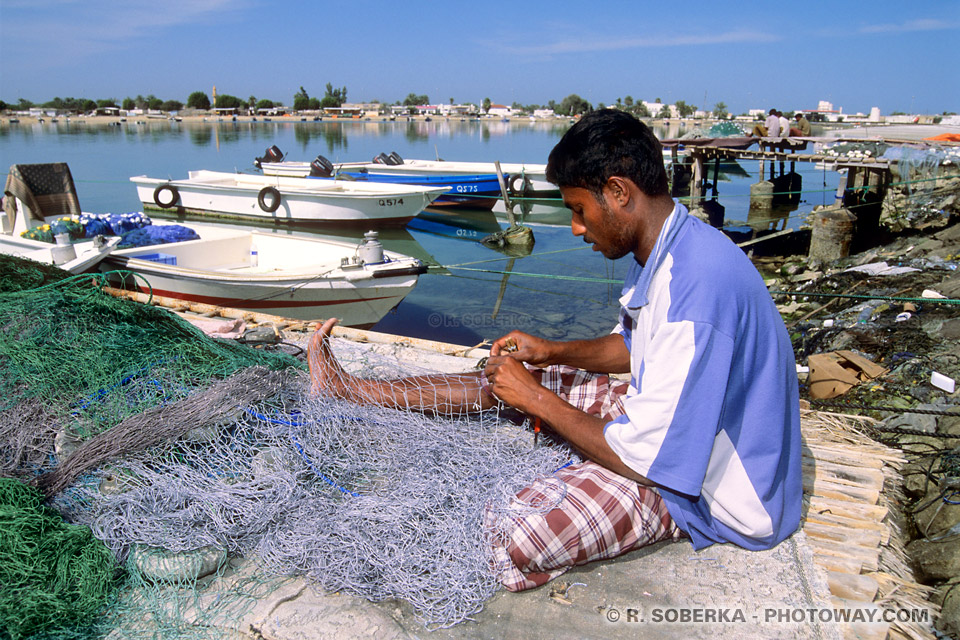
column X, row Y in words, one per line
column 512, row 384
column 524, row 347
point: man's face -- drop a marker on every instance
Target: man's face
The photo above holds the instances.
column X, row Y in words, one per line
column 599, row 223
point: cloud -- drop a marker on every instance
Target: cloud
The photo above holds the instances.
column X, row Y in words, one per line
column 925, row 24
column 606, row 43
column 73, row 29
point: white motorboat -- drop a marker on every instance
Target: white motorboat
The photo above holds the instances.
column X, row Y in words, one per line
column 75, row 257
column 524, row 179
column 38, row 194
column 291, row 276
column 246, row 196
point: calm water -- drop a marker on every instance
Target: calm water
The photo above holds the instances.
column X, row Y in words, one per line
column 457, row 305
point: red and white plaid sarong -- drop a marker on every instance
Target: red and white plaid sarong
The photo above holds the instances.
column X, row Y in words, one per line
column 602, row 514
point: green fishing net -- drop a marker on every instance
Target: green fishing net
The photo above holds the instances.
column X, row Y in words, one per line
column 75, row 362
column 55, row 577
column 97, row 358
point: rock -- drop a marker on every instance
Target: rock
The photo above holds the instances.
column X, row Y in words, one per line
column 65, row 443
column 950, row 286
column 270, row 462
column 949, row 425
column 938, row 517
column 314, row 616
column 950, row 234
column 117, row 480
column 842, row 341
column 948, row 597
column 161, row 565
column 936, row 560
column 915, row 482
column 918, row 445
column 950, row 329
column 924, row 248
column 917, row 421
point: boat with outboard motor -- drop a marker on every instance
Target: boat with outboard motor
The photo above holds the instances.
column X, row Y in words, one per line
column 522, row 179
column 284, row 199
column 472, row 191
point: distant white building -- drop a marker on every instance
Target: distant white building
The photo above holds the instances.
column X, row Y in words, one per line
column 500, row 110
column 458, row 109
column 544, row 113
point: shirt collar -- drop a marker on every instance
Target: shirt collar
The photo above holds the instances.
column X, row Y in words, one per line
column 639, row 277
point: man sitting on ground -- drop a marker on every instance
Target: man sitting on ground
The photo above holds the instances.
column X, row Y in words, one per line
column 702, row 442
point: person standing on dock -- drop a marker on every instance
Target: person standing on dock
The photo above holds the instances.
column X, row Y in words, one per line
column 702, row 441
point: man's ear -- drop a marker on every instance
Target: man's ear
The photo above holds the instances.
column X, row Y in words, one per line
column 619, row 190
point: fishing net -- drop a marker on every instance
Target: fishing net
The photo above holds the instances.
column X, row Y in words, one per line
column 211, row 470
column 55, row 576
column 926, row 191
column 93, row 359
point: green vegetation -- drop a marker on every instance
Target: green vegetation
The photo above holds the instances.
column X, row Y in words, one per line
column 572, row 105
column 198, row 100
column 333, row 97
column 227, row 101
column 413, row 100
column 302, row 101
column 685, row 109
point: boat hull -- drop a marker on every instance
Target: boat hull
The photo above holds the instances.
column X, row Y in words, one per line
column 297, row 278
column 525, row 179
column 242, row 196
column 86, row 254
column 472, row 191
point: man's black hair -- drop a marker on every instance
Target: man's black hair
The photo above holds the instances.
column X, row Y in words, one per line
column 607, row 143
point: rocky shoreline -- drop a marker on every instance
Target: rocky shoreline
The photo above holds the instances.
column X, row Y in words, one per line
column 890, row 316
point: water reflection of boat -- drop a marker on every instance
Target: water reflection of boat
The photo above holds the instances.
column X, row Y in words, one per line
column 549, row 211
column 460, row 224
column 236, row 195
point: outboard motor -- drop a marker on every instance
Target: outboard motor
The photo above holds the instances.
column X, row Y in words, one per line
column 370, row 250
column 321, row 168
column 395, row 158
column 382, row 159
column 273, row 154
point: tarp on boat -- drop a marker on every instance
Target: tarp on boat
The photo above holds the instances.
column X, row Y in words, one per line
column 46, row 190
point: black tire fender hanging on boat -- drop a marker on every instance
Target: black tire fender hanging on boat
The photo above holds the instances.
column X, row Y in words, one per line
column 171, row 202
column 274, row 203
column 519, row 184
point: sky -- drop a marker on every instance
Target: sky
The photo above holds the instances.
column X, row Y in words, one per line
column 892, row 54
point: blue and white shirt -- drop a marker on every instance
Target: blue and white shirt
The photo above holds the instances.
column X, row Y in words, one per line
column 712, row 412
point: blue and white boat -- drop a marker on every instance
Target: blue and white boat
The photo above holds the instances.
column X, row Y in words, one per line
column 467, row 190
